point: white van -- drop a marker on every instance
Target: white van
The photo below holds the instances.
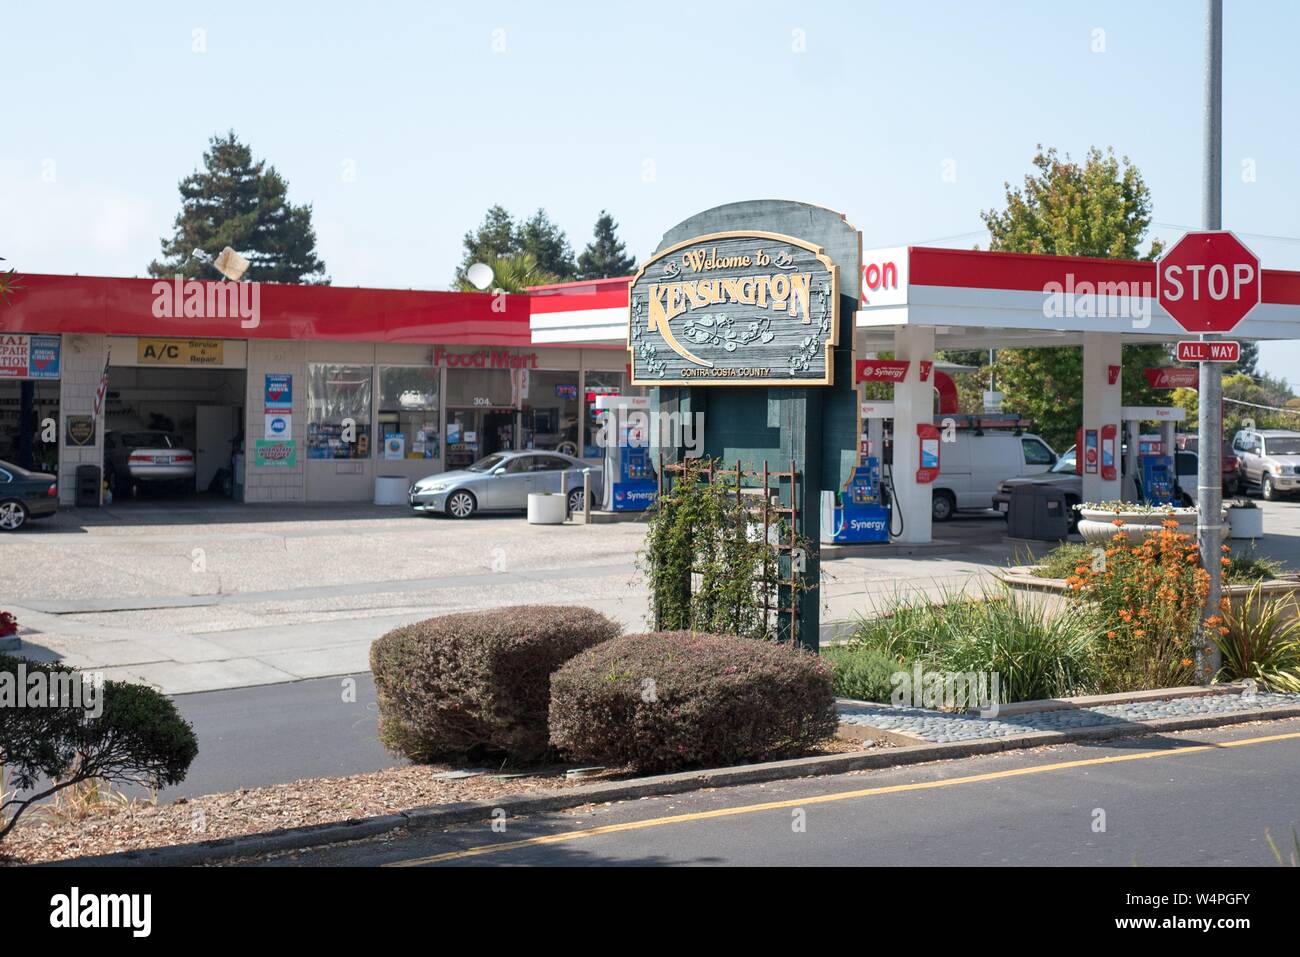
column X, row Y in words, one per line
column 972, row 465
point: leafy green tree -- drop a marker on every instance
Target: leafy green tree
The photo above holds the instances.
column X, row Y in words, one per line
column 1100, row 208
column 1238, row 388
column 548, row 244
column 234, row 201
column 605, row 256
column 1249, row 361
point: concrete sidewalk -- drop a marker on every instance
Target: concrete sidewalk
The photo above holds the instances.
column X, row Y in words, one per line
column 201, row 598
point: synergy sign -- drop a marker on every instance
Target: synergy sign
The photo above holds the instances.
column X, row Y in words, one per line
column 735, row 308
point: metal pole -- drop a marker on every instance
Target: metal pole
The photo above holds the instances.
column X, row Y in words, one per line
column 1209, row 478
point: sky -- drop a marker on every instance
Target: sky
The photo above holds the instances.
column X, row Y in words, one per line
column 400, row 123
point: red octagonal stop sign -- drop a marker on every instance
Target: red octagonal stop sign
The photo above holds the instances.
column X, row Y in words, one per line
column 1208, row 281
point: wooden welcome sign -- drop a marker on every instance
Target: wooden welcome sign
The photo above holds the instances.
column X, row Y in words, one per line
column 735, row 308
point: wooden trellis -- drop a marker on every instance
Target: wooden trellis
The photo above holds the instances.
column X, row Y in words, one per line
column 765, row 512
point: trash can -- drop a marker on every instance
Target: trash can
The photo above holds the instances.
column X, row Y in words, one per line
column 87, row 486
column 1039, row 513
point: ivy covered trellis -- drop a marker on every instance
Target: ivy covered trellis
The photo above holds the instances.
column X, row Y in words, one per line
column 722, row 554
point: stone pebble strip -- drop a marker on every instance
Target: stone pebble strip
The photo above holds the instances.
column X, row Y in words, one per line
column 945, row 727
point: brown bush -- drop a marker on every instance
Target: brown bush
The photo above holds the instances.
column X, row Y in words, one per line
column 677, row 699
column 473, row 683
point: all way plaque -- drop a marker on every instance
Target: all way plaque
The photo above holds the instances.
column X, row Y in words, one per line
column 735, row 308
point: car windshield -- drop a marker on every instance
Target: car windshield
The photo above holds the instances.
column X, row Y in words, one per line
column 1066, row 462
column 151, row 440
column 488, row 463
column 1283, row 446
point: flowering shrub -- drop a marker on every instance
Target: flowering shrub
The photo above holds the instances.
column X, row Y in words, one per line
column 1150, row 594
column 1133, row 508
column 8, row 624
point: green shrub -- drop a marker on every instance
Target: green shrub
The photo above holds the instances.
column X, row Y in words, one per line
column 1062, row 560
column 862, row 672
column 1260, row 639
column 1247, row 566
column 1035, row 654
column 473, row 683
column 669, row 700
column 115, row 731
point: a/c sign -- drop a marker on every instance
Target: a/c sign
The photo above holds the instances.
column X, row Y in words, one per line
column 1208, row 281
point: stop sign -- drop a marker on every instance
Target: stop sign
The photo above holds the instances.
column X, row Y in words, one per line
column 1208, row 281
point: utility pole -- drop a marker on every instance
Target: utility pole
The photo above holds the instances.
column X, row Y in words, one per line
column 1209, row 478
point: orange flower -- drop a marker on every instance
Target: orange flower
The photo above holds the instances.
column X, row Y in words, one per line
column 1186, row 662
column 1139, row 632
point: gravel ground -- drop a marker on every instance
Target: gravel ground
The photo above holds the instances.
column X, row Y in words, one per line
column 68, row 828
column 942, row 727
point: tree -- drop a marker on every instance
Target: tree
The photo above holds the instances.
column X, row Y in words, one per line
column 495, row 237
column 134, row 735
column 548, row 244
column 1263, row 395
column 236, row 202
column 1100, row 208
column 1249, row 361
column 605, row 256
column 512, row 273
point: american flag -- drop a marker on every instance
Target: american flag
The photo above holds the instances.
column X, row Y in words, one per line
column 103, row 385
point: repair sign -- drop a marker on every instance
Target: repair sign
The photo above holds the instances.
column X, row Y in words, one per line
column 29, row 357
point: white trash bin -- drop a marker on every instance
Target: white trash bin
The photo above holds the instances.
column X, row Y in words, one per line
column 1245, row 522
column 547, row 508
column 391, row 489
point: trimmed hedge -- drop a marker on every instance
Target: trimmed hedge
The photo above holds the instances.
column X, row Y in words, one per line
column 669, row 700
column 468, row 684
column 862, row 672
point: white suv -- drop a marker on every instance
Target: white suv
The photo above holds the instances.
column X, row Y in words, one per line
column 1269, row 458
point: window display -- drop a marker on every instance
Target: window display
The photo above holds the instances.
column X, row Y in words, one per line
column 409, row 412
column 338, row 411
column 550, row 412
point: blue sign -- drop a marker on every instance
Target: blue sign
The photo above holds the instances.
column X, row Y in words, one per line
column 636, row 485
column 279, row 390
column 566, row 391
column 277, row 426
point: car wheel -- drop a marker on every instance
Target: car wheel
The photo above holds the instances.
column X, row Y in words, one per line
column 942, row 506
column 575, row 501
column 461, row 504
column 13, row 515
column 1267, row 489
column 568, row 448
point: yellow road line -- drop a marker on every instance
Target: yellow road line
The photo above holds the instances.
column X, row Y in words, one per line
column 828, row 798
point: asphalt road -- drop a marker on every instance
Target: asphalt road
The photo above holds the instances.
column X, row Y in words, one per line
column 273, row 734
column 1205, row 798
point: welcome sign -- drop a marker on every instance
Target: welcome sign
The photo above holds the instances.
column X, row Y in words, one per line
column 735, row 308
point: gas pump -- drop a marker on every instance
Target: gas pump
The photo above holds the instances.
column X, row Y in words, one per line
column 1151, row 458
column 630, row 482
column 859, row 512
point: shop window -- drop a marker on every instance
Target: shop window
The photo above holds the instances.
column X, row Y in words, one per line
column 598, row 383
column 338, row 411
column 408, row 412
column 550, row 412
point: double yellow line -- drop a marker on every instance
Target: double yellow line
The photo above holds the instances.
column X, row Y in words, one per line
column 565, row 836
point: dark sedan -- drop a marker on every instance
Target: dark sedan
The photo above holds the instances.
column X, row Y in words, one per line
column 25, row 495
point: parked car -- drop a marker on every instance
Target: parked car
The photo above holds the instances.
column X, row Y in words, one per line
column 1228, row 462
column 1269, row 458
column 133, row 458
column 25, row 495
column 975, row 462
column 501, row 482
column 1061, row 475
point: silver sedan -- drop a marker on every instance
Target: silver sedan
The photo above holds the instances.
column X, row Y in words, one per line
column 501, row 482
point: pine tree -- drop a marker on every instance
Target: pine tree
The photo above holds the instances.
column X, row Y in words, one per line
column 497, row 237
column 547, row 242
column 605, row 256
column 236, row 202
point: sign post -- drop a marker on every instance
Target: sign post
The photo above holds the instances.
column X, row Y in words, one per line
column 1208, row 281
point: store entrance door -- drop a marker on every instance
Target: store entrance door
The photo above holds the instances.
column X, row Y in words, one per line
column 474, row 433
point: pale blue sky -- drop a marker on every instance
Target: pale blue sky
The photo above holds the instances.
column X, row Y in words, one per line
column 653, row 111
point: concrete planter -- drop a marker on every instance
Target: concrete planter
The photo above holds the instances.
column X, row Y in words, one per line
column 545, row 508
column 1098, row 525
column 1245, row 522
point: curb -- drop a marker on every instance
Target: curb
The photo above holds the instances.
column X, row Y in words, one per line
column 442, row 815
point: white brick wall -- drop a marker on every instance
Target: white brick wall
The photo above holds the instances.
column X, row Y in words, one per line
column 274, row 483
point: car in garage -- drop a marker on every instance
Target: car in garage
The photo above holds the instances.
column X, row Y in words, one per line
column 25, row 495
column 502, row 482
column 146, row 456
